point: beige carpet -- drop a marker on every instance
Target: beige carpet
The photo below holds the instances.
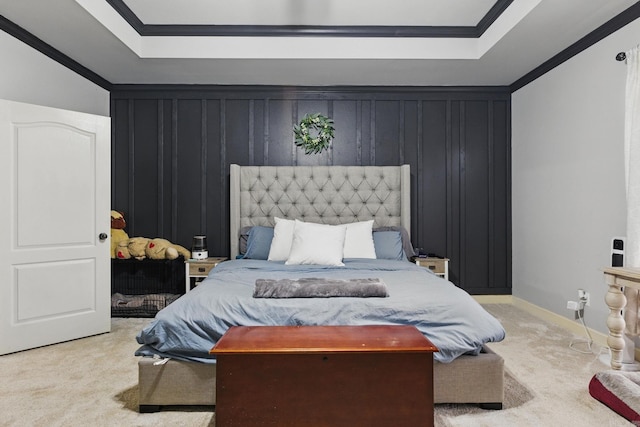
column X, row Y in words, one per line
column 93, row 381
column 537, row 353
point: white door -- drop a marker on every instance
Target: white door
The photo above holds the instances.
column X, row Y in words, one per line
column 55, row 282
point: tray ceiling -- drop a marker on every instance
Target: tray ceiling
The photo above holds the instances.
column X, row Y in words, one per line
column 304, row 42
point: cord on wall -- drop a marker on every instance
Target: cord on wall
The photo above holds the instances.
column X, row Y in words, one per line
column 589, row 342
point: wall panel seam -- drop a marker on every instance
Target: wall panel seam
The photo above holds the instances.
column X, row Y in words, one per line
column 203, row 166
column 295, row 119
column 330, row 150
column 359, row 132
column 372, row 126
column 132, row 160
column 419, row 198
column 491, row 193
column 160, row 145
column 223, row 226
column 462, row 173
column 266, row 131
column 401, row 132
column 251, row 132
column 174, row 169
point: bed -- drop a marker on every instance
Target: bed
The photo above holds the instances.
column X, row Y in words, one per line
column 341, row 204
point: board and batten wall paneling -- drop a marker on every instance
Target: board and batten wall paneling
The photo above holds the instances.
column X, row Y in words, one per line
column 172, row 147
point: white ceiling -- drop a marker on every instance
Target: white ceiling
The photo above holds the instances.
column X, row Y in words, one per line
column 312, row 12
column 526, row 35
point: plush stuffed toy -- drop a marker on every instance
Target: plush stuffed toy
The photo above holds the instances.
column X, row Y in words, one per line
column 164, row 249
column 137, row 247
column 117, row 231
column 122, row 251
column 142, row 247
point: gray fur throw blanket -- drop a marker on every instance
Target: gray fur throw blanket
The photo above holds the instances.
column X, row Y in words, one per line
column 314, row 287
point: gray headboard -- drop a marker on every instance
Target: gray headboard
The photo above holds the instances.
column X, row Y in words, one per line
column 321, row 194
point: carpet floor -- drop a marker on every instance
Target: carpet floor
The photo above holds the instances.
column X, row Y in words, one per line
column 93, row 381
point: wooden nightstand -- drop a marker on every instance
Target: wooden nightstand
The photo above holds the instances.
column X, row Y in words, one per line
column 439, row 266
column 199, row 269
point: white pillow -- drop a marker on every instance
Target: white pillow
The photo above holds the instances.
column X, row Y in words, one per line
column 317, row 244
column 282, row 237
column 358, row 242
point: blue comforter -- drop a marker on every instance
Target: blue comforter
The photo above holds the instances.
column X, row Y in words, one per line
column 189, row 327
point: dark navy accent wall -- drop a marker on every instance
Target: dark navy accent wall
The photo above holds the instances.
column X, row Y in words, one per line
column 172, row 147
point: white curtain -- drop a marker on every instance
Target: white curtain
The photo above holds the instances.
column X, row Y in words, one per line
column 632, row 157
column 632, row 181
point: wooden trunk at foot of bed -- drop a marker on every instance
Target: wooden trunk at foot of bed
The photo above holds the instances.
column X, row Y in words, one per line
column 324, row 376
column 468, row 379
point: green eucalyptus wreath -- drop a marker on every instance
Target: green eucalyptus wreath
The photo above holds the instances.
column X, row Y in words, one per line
column 314, row 133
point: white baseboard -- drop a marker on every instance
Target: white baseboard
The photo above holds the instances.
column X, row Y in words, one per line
column 562, row 321
column 542, row 313
column 493, row 299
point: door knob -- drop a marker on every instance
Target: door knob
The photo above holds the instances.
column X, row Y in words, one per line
column 102, row 236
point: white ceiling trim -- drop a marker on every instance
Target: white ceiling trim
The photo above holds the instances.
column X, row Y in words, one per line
column 112, row 21
column 196, row 47
column 505, row 23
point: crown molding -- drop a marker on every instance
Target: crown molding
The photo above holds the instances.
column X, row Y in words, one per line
column 614, row 24
column 38, row 44
column 184, row 90
column 310, row 30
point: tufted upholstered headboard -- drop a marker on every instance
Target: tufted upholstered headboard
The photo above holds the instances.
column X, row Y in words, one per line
column 322, row 194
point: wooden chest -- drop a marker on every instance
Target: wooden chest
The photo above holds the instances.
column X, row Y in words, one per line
column 324, row 376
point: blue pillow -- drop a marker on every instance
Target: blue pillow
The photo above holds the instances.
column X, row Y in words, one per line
column 259, row 242
column 388, row 245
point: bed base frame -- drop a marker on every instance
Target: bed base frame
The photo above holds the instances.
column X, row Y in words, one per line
column 468, row 379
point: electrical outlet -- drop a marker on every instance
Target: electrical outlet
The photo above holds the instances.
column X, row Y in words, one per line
column 584, row 297
column 587, row 297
